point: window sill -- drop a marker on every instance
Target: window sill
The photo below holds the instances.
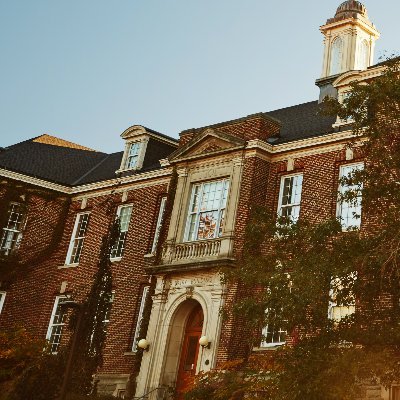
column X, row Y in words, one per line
column 116, row 259
column 273, row 347
column 130, row 353
column 68, row 266
column 150, row 255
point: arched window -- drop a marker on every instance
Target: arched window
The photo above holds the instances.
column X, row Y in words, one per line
column 363, row 55
column 336, row 56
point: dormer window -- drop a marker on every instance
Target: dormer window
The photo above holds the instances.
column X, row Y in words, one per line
column 144, row 147
column 133, row 155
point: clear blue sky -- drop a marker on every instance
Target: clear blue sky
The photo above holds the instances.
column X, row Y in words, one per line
column 85, row 70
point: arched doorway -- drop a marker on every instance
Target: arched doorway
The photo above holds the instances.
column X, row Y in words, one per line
column 190, row 350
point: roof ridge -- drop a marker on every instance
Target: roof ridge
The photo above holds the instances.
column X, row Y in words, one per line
column 52, row 140
column 295, row 105
column 91, row 169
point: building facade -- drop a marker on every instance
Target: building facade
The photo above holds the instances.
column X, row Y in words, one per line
column 183, row 208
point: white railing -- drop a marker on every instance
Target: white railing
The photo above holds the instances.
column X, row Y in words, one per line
column 192, row 250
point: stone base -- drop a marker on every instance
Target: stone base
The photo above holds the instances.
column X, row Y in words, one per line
column 112, row 384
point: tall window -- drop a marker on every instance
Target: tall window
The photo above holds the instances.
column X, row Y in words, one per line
column 273, row 335
column 207, row 210
column 12, row 231
column 124, row 216
column 133, row 155
column 336, row 56
column 77, row 238
column 56, row 326
column 159, row 223
column 363, row 55
column 337, row 310
column 140, row 319
column 349, row 211
column 290, row 197
column 2, row 299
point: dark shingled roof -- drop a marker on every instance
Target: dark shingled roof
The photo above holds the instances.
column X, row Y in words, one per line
column 57, row 164
column 74, row 166
column 301, row 122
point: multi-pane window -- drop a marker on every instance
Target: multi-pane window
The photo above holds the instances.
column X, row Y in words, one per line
column 133, row 155
column 290, row 197
column 12, row 231
column 77, row 238
column 336, row 310
column 2, row 298
column 349, row 211
column 159, row 223
column 207, row 210
column 57, row 322
column 273, row 334
column 140, row 319
column 124, row 216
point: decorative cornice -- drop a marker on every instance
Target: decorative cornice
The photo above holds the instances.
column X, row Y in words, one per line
column 254, row 148
column 88, row 187
column 34, row 181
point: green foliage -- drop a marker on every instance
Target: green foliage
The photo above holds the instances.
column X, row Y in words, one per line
column 41, row 380
column 293, row 271
column 92, row 334
column 18, row 350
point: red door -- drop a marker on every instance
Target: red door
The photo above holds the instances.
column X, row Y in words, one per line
column 190, row 351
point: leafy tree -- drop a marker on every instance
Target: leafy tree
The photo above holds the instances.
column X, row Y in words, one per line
column 91, row 335
column 42, row 379
column 294, row 270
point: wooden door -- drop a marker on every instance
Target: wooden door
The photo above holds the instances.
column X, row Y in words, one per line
column 190, row 351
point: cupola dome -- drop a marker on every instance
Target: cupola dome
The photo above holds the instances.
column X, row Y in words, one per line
column 349, row 8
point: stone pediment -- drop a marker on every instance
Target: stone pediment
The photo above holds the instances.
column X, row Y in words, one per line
column 207, row 142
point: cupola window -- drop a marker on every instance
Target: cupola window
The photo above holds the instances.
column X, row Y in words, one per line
column 336, row 56
column 363, row 55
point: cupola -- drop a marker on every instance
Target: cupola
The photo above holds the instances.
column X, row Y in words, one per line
column 349, row 43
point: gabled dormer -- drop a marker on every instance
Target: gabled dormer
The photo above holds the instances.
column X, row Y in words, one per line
column 144, row 148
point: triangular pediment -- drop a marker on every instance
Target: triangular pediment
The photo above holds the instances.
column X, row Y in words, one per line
column 207, row 142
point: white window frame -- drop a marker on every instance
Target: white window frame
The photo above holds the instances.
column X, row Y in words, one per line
column 158, row 225
column 2, row 299
column 221, row 210
column 278, row 332
column 281, row 189
column 16, row 233
column 74, row 237
column 139, row 321
column 125, row 231
column 342, row 189
column 142, row 143
column 57, row 301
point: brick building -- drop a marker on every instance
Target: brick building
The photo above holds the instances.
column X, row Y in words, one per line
column 183, row 207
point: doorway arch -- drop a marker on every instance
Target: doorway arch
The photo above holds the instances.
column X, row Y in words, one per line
column 183, row 345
